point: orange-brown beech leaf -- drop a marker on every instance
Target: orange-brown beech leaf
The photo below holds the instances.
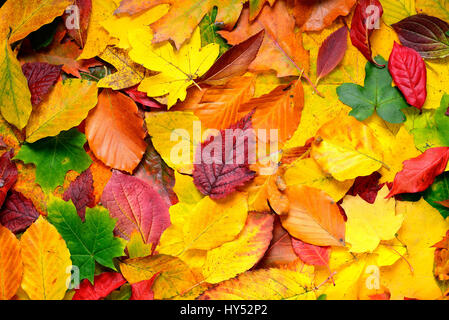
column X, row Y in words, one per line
column 11, row 267
column 219, row 106
column 331, row 52
column 280, row 110
column 280, row 251
column 115, row 131
column 281, row 49
column 235, row 61
column 59, row 52
column 84, row 8
column 311, row 254
column 314, row 217
column 315, row 15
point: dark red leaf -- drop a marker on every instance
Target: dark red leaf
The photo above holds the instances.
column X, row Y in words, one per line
column 156, row 173
column 222, row 161
column 8, row 174
column 366, row 18
column 366, row 187
column 142, row 98
column 142, row 290
column 18, row 212
column 137, row 206
column 331, row 52
column 410, row 74
column 41, row 77
column 424, row 34
column 103, row 285
column 79, row 17
column 81, row 192
column 311, row 254
column 420, row 172
column 235, row 61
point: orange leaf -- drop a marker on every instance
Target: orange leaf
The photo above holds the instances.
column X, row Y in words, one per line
column 281, row 49
column 11, row 267
column 315, row 15
column 314, row 217
column 444, row 203
column 115, row 131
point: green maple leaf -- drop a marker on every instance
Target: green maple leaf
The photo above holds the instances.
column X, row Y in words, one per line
column 88, row 242
column 377, row 94
column 209, row 30
column 54, row 156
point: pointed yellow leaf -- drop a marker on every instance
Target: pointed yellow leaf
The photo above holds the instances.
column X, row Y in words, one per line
column 240, row 255
column 396, row 10
column 368, row 224
column 346, row 148
column 15, row 97
column 46, row 262
column 11, row 267
column 436, row 8
column 137, row 248
column 185, row 189
column 178, row 69
column 66, row 107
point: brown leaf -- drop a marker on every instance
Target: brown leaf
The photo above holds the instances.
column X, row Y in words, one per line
column 115, row 131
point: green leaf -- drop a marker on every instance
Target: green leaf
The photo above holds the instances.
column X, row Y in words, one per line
column 442, row 120
column 377, row 94
column 88, row 242
column 54, row 156
column 439, row 191
column 209, row 28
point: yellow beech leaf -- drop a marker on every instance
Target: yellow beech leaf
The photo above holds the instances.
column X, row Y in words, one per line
column 213, row 223
column 185, row 189
column 46, row 261
column 175, row 277
column 120, row 26
column 307, row 172
column 178, row 69
column 396, row 10
column 97, row 37
column 388, row 252
column 137, row 248
column 66, row 107
column 24, row 17
column 175, row 136
column 368, row 224
column 240, row 255
column 436, row 8
column 128, row 72
column 269, row 284
column 15, row 97
column 11, row 267
column 314, row 217
column 412, row 277
column 346, row 148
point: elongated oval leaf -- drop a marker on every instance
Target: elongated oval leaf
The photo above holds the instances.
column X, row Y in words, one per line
column 331, row 52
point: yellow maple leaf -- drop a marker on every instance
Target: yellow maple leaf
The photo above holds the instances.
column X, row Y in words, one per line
column 368, row 224
column 178, row 69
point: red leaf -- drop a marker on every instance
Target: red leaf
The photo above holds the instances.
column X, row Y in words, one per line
column 332, row 52
column 137, row 206
column 420, row 172
column 380, row 296
column 84, row 8
column 409, row 73
column 156, row 173
column 103, row 285
column 235, row 61
column 311, row 254
column 142, row 98
column 81, row 192
column 8, row 174
column 222, row 164
column 41, row 77
column 18, row 212
column 366, row 187
column 367, row 14
column 142, row 290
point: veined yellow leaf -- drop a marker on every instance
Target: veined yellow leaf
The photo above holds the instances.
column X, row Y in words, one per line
column 11, row 267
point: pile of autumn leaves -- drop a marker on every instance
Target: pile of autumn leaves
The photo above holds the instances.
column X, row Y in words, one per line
column 357, row 204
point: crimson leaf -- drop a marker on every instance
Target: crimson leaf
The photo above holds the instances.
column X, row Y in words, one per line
column 8, row 174
column 81, row 192
column 41, row 77
column 103, row 285
column 18, row 212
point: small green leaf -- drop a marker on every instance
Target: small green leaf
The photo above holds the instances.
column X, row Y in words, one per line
column 377, row 94
column 54, row 156
column 88, row 242
column 209, row 28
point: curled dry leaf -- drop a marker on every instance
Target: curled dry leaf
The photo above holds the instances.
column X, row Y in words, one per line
column 115, row 131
